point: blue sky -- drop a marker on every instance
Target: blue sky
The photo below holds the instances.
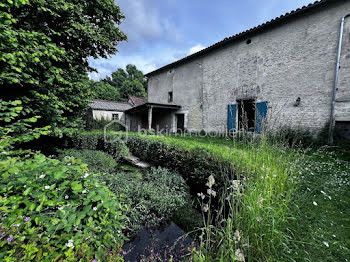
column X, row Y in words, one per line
column 163, row 31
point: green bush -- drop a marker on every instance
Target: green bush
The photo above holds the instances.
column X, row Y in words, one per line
column 152, row 197
column 195, row 165
column 57, row 211
column 100, row 124
column 97, row 161
column 96, row 141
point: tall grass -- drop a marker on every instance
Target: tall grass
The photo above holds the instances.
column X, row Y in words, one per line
column 251, row 220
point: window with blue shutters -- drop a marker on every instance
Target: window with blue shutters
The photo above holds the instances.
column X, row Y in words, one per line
column 260, row 116
column 231, row 117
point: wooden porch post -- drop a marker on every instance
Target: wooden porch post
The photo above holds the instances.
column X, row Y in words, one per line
column 150, row 109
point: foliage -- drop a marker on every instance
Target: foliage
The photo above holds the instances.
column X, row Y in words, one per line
column 101, row 123
column 57, row 211
column 15, row 131
column 44, row 51
column 152, row 197
column 129, row 82
column 113, row 146
column 105, row 91
column 97, row 161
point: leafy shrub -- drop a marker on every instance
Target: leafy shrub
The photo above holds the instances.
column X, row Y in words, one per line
column 97, row 161
column 152, row 197
column 57, row 211
column 15, row 131
column 96, row 141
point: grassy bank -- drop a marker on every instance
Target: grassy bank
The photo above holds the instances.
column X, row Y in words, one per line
column 254, row 201
column 291, row 205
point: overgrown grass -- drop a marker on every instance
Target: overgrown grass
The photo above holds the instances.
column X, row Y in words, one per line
column 258, row 209
column 321, row 203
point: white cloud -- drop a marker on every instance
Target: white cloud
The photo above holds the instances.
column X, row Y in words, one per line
column 146, row 22
column 195, row 49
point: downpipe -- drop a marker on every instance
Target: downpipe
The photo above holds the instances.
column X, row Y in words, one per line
column 331, row 120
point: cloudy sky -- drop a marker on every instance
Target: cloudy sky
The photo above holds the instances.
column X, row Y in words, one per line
column 163, row 31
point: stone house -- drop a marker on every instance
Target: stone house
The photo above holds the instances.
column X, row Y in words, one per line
column 112, row 110
column 108, row 110
column 283, row 71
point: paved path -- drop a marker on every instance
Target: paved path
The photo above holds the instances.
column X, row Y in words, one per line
column 137, row 162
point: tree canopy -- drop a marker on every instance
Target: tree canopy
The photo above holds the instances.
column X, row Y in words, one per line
column 105, row 91
column 128, row 82
column 44, row 51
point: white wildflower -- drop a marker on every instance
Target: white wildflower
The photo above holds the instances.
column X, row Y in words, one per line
column 315, row 204
column 60, row 207
column 237, row 235
column 259, row 219
column 66, row 197
column 84, row 191
column 95, row 208
column 326, row 243
column 211, row 181
column 70, row 243
column 239, row 255
column 86, row 175
column 201, row 195
column 213, row 193
column 42, row 176
column 47, row 187
column 205, row 208
column 25, row 186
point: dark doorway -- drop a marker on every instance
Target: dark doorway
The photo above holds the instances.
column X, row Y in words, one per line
column 180, row 122
column 246, row 115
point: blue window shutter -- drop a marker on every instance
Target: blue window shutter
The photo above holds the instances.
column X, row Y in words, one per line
column 261, row 113
column 231, row 118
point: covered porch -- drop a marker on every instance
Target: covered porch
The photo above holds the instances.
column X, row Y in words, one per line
column 159, row 117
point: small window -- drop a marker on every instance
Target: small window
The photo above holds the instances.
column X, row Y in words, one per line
column 170, row 97
column 115, row 116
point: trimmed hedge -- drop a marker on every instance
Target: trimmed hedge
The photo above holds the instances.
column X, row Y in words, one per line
column 113, row 145
column 195, row 165
column 97, row 161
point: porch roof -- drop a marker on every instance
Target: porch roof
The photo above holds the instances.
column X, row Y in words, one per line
column 146, row 106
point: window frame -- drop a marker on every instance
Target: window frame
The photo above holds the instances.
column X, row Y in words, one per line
column 170, row 97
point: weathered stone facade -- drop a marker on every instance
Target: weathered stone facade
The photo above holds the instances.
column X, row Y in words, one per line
column 294, row 58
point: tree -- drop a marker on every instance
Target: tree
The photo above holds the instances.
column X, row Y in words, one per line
column 44, row 51
column 129, row 82
column 105, row 91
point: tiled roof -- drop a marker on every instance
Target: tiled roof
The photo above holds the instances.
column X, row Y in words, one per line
column 137, row 101
column 106, row 105
column 254, row 30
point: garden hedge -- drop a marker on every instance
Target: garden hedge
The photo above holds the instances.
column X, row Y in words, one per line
column 195, row 165
column 113, row 145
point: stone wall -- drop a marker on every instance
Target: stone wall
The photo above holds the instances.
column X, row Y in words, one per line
column 291, row 60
